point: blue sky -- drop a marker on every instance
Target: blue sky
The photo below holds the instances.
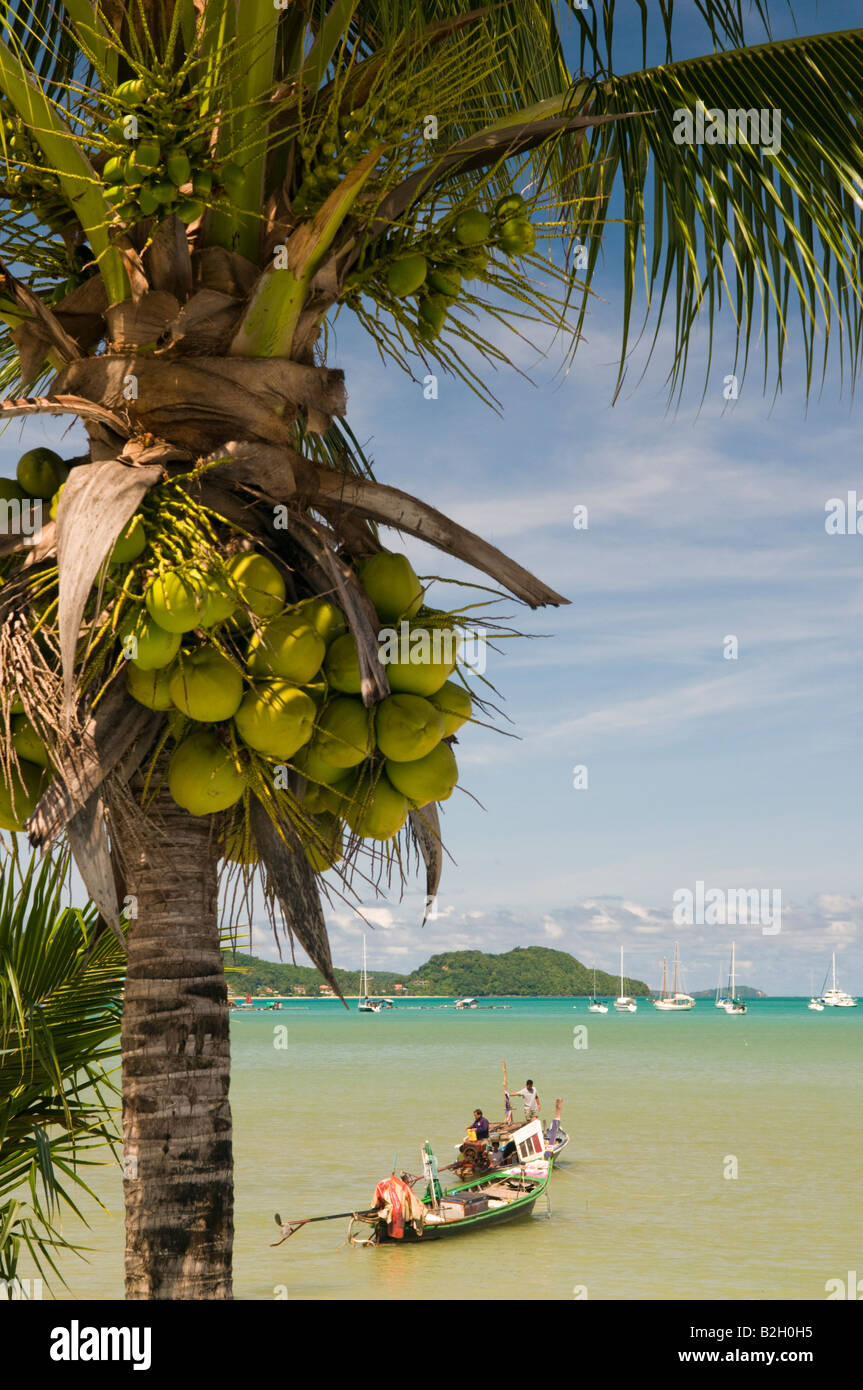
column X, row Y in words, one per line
column 740, row 773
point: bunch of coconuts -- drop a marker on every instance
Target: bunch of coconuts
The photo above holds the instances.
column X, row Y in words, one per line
column 329, row 148
column 294, row 700
column 433, row 269
column 240, row 671
column 150, row 175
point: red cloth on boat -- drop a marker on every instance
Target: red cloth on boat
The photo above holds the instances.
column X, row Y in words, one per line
column 399, row 1205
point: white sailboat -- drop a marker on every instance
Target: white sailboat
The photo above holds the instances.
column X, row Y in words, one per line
column 732, row 1004
column 720, row 1000
column 624, row 1003
column 816, row 1003
column 836, row 998
column 594, row 1007
column 676, row 1002
column 367, row 1005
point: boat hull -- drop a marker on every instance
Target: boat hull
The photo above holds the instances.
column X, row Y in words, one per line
column 517, row 1210
column 484, row 1220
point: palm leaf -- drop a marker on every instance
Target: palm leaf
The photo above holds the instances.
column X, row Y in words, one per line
column 771, row 232
column 59, row 1025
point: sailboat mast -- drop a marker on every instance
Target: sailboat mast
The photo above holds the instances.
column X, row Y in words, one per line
column 732, row 970
column 621, row 971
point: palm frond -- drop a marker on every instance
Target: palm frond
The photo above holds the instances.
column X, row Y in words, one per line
column 60, row 988
column 769, row 224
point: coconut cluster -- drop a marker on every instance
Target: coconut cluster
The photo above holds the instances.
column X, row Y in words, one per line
column 26, row 182
column 263, row 695
column 458, row 248
column 147, row 176
column 330, row 147
column 249, row 677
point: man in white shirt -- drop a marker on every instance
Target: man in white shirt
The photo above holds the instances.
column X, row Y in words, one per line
column 530, row 1098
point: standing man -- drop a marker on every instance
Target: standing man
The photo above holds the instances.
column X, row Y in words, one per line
column 530, row 1098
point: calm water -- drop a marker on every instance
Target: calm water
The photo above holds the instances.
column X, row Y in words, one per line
column 659, row 1107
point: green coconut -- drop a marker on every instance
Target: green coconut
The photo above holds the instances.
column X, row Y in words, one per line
column 407, row 726
column 475, row 262
column 288, row 647
column 392, row 585
column 345, row 732
column 432, row 314
column 143, row 160
column 517, row 237
column 131, row 542
column 179, row 168
column 156, row 648
column 510, row 206
column 378, row 811
column 276, row 719
column 10, row 491
column 318, row 798
column 431, row 659
column 189, row 210
column 40, row 472
column 177, row 600
column 21, row 795
column 323, row 842
column 114, row 170
column 309, row 762
column 260, row 584
column 204, row 776
column 148, row 202
column 133, row 92
column 27, row 743
column 406, row 274
column 472, row 227
column 150, row 688
column 55, row 502
column 454, row 704
column 206, row 686
column 446, row 282
column 327, row 620
column 422, row 780
column 221, row 603
column 342, row 666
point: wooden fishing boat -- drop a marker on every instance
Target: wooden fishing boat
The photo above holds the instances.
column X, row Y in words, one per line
column 506, row 1196
column 491, row 1199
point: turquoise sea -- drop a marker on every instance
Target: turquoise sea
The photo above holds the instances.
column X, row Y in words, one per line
column 663, row 1112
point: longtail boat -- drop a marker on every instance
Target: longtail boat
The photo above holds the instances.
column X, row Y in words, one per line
column 400, row 1215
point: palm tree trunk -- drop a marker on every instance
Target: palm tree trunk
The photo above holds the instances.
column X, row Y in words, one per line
column 178, row 1161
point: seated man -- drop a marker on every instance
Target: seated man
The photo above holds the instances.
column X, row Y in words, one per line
column 479, row 1125
column 495, row 1155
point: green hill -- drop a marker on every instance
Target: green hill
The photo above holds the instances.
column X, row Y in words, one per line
column 527, row 970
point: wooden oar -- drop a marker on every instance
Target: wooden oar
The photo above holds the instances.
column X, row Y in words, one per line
column 288, row 1227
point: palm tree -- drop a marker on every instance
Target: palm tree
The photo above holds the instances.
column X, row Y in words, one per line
column 60, row 988
column 196, row 189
